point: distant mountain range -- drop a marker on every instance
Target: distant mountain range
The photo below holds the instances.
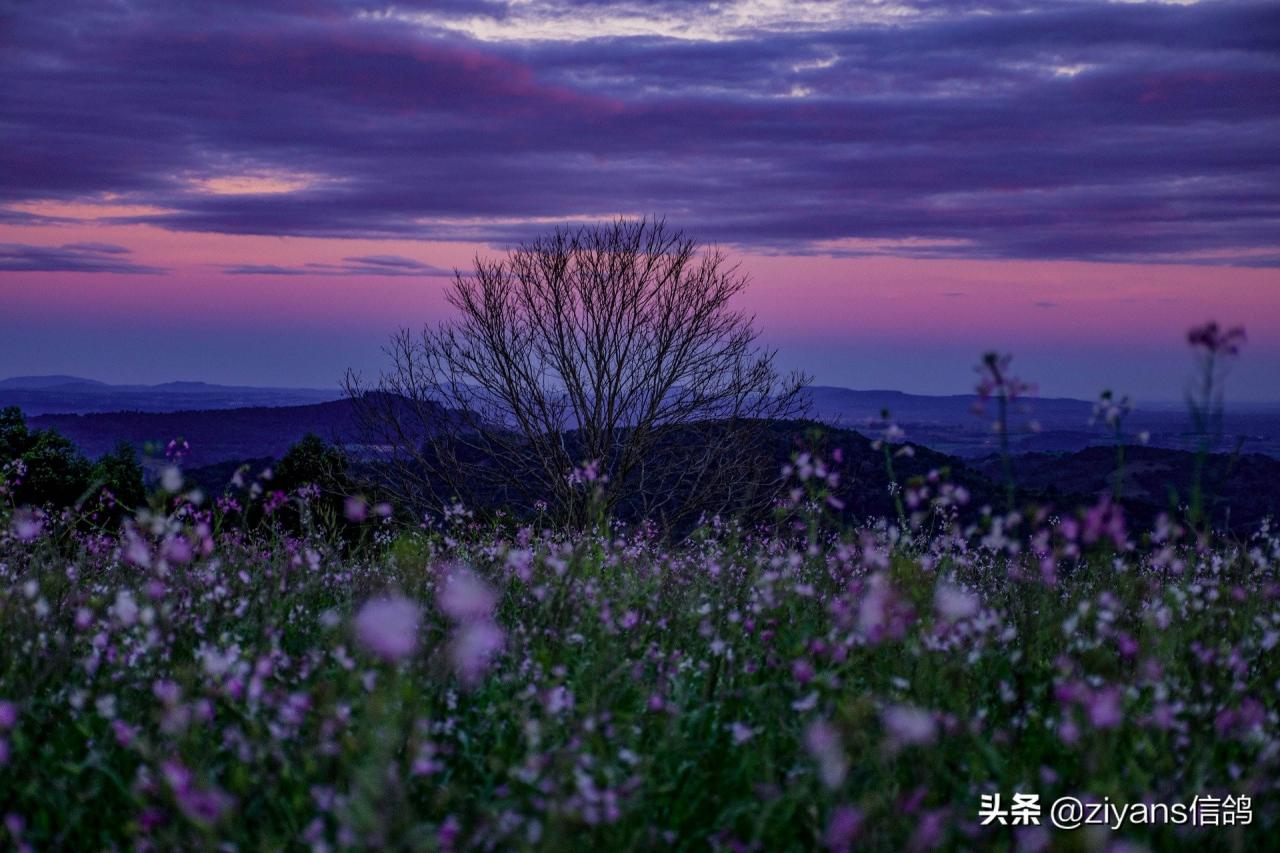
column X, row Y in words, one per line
column 1065, row 462
column 241, row 422
column 962, row 425
column 220, row 440
column 38, row 395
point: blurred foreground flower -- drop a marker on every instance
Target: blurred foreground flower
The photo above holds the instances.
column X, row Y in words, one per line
column 355, row 509
column 204, row 806
column 955, row 604
column 465, row 597
column 477, row 639
column 388, row 627
column 907, row 725
column 26, row 525
column 843, row 827
column 827, row 749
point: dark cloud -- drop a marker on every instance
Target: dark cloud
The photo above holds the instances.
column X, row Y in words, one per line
column 393, row 265
column 388, row 265
column 72, row 257
column 24, row 218
column 1087, row 130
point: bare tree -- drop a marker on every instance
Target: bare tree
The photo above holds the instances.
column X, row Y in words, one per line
column 614, row 345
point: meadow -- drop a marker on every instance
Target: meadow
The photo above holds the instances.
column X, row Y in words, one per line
column 619, row 489
column 190, row 681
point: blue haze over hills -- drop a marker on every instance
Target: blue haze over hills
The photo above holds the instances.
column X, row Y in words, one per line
column 95, row 415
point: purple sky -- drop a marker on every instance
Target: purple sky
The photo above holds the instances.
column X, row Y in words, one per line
column 259, row 192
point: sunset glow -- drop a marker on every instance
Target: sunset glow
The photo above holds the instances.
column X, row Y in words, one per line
column 264, row 195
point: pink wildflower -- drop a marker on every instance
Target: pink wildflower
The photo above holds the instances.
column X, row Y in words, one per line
column 826, row 747
column 929, row 831
column 477, row 638
column 1105, row 520
column 204, row 806
column 908, row 725
column 843, row 827
column 176, row 550
column 474, row 647
column 26, row 525
column 388, row 627
column 1213, row 339
column 1104, row 708
column 955, row 604
column 355, row 509
column 464, row 597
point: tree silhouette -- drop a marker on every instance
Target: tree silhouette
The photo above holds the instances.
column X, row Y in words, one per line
column 614, row 345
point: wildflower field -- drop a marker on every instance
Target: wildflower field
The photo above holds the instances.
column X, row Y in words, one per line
column 187, row 682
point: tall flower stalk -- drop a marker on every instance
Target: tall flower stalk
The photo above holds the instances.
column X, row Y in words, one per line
column 998, row 383
column 893, row 434
column 1214, row 350
column 1112, row 412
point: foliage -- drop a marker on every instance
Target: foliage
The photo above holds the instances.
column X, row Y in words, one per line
column 311, row 460
column 55, row 471
column 190, row 684
column 41, row 468
column 119, row 475
column 255, row 673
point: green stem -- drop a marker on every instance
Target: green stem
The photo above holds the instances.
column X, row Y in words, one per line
column 1006, row 463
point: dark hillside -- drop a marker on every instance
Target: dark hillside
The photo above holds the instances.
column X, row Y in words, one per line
column 215, row 435
column 1240, row 490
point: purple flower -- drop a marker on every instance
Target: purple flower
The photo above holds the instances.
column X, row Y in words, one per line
column 125, row 608
column 801, row 671
column 477, row 639
column 26, row 525
column 171, row 480
column 8, row 715
column 176, row 449
column 124, row 733
column 355, row 509
column 1105, row 520
column 176, row 550
column 465, row 598
column 588, row 472
column 1213, row 339
column 955, row 604
column 843, row 827
column 474, row 647
column 908, row 725
column 826, row 747
column 204, row 806
column 388, row 627
column 1104, row 708
column 448, row 833
column 929, row 831
column 1247, row 717
column 1032, row 839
